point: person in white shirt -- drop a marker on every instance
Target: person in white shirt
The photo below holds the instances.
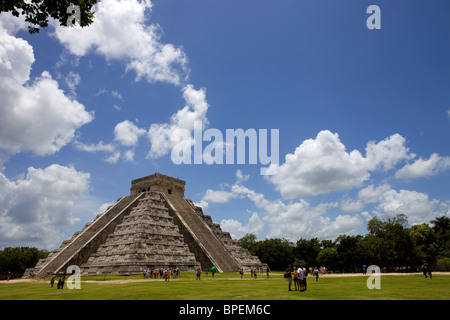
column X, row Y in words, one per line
column 301, row 279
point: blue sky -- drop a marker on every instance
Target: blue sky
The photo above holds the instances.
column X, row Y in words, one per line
column 363, row 114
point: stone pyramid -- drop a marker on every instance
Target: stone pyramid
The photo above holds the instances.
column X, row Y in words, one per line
column 146, row 238
column 154, row 227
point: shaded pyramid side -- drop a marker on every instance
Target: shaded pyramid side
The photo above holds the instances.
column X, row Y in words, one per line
column 146, row 238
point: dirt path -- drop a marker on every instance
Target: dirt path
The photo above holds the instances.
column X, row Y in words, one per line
column 120, row 281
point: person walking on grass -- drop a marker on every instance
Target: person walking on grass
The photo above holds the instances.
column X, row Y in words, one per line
column 52, row 280
column 316, row 273
column 61, row 281
column 426, row 270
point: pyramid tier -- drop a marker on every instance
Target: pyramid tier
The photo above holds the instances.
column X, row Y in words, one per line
column 146, row 238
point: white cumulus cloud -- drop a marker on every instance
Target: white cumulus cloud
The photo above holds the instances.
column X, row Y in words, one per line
column 121, row 31
column 237, row 230
column 424, row 167
column 290, row 220
column 36, row 114
column 323, row 165
column 195, row 109
column 36, row 206
column 127, row 133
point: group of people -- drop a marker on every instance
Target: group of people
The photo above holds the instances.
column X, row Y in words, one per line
column 254, row 272
column 198, row 272
column 298, row 275
column 61, row 281
column 165, row 273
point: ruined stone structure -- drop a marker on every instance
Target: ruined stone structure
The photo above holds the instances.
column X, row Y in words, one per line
column 154, row 227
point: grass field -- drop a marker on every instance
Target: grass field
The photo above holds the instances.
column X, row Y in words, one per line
column 229, row 286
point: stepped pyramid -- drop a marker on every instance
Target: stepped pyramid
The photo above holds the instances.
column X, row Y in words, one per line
column 154, row 227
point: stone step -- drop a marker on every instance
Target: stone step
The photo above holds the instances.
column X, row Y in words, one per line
column 147, row 237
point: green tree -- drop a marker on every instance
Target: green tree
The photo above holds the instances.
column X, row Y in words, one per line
column 329, row 258
column 277, row 253
column 349, row 252
column 248, row 241
column 16, row 260
column 38, row 12
column 327, row 244
column 370, row 248
column 424, row 242
column 393, row 246
column 307, row 250
column 441, row 226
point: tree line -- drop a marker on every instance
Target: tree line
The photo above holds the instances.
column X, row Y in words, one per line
column 14, row 261
column 388, row 244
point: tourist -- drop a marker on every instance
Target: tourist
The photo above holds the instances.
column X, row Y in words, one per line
column 288, row 277
column 316, row 273
column 267, row 272
column 213, row 271
column 305, row 274
column 242, row 273
column 61, row 281
column 166, row 274
column 198, row 273
column 52, row 280
column 296, row 284
column 301, row 279
column 426, row 270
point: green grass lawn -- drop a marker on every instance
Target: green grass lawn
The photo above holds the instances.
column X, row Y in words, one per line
column 404, row 287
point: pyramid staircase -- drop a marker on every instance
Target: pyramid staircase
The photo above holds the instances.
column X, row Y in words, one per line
column 242, row 256
column 193, row 227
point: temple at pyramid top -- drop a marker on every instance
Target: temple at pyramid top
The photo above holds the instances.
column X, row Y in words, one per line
column 158, row 182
